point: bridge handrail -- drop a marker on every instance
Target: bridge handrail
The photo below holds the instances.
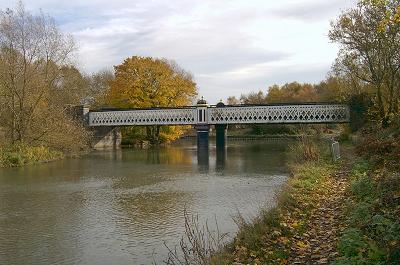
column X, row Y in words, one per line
column 323, row 112
column 106, row 109
column 133, row 109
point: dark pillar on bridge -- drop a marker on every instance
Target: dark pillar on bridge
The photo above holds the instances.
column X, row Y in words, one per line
column 220, row 159
column 220, row 133
column 220, row 130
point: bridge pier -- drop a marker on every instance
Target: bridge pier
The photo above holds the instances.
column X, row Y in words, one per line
column 203, row 129
column 202, row 136
column 106, row 137
column 221, row 130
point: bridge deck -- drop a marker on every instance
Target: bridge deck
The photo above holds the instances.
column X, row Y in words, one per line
column 277, row 114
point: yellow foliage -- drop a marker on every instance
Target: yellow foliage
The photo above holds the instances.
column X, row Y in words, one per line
column 146, row 82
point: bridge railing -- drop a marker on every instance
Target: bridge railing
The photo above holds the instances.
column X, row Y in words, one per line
column 316, row 113
column 181, row 116
column 278, row 114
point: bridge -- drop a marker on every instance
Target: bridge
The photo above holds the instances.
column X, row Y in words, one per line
column 202, row 116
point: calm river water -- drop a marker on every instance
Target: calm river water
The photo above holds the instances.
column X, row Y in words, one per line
column 119, row 207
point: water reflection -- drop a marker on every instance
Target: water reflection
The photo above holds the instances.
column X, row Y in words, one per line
column 203, row 159
column 221, row 158
column 119, row 207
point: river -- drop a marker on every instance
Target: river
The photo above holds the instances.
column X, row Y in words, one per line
column 122, row 206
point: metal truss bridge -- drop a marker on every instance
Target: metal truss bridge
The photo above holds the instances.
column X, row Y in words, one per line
column 203, row 114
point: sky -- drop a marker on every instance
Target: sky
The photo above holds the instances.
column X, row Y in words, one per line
column 231, row 47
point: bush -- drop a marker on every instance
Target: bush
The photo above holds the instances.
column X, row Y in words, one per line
column 21, row 154
column 373, row 236
column 357, row 250
column 362, row 188
column 352, row 243
column 381, row 146
column 304, row 150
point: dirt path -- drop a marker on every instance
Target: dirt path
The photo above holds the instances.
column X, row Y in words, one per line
column 317, row 245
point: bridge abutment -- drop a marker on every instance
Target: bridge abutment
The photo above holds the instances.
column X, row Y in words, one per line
column 106, row 137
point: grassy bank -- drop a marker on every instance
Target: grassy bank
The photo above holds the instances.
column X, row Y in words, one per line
column 342, row 213
column 278, row 233
column 19, row 155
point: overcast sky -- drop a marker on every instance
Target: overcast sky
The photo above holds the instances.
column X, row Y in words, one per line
column 231, row 47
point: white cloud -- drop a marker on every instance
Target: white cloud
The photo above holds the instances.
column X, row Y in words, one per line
column 231, row 47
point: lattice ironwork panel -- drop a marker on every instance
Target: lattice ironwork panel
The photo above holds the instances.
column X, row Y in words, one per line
column 144, row 117
column 279, row 114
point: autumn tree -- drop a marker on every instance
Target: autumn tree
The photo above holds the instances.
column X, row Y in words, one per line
column 145, row 82
column 35, row 80
column 291, row 93
column 70, row 87
column 232, row 100
column 369, row 36
column 99, row 85
column 253, row 98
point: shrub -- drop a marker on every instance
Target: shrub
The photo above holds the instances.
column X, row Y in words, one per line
column 21, row 154
column 304, row 150
column 362, row 188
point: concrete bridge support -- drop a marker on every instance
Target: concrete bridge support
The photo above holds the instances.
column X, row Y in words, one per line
column 106, row 138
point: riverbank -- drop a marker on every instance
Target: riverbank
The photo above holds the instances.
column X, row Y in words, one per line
column 20, row 155
column 343, row 213
column 294, row 230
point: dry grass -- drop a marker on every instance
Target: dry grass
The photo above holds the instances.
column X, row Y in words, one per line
column 198, row 245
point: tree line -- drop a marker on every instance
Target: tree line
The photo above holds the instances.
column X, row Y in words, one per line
column 366, row 72
column 39, row 81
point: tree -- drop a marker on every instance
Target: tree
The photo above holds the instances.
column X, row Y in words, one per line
column 253, row 98
column 369, row 35
column 291, row 93
column 233, row 100
column 99, row 85
column 34, row 69
column 145, row 82
column 70, row 87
